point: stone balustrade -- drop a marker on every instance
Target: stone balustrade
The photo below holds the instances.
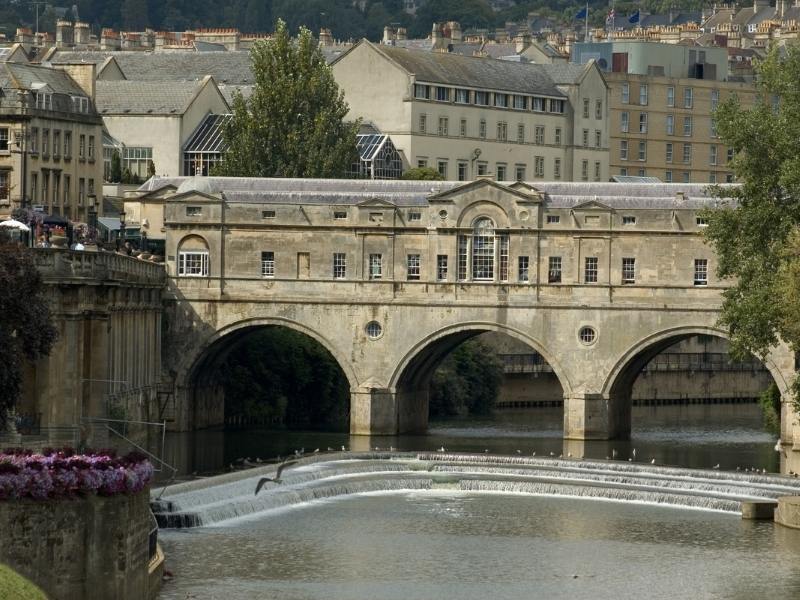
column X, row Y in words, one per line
column 58, row 265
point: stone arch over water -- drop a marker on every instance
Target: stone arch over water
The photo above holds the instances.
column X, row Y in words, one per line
column 619, row 382
column 411, row 377
column 198, row 371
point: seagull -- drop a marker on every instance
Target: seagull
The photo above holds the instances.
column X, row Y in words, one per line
column 534, row 453
column 778, row 446
column 716, row 466
column 344, row 449
column 634, row 453
column 519, row 451
column 441, row 449
column 613, row 453
column 277, row 479
column 653, row 461
column 552, row 454
column 569, row 454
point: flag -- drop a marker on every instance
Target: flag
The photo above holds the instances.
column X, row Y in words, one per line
column 584, row 13
column 634, row 18
column 610, row 17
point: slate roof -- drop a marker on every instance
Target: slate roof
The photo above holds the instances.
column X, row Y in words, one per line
column 145, row 97
column 231, row 67
column 17, row 75
column 618, row 196
column 564, row 73
column 482, row 73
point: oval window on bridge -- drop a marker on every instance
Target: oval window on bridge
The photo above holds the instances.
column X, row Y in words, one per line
column 374, row 330
column 587, row 335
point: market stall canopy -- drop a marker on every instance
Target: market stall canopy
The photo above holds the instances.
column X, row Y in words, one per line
column 14, row 224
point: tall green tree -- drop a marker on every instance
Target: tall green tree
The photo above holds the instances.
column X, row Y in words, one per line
column 293, row 123
column 755, row 234
column 26, row 331
column 467, row 382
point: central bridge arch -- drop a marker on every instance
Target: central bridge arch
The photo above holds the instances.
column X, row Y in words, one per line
column 411, row 378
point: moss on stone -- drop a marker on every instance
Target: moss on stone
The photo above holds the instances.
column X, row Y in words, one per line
column 13, row 585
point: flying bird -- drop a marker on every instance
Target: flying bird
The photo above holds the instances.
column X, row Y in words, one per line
column 277, row 478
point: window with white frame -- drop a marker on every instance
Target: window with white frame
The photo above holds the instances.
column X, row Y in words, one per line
column 463, row 128
column 414, row 215
column 441, row 267
column 624, row 123
column 590, row 269
column 669, row 152
column 556, row 168
column 268, row 264
column 523, row 269
column 423, row 123
column 482, row 98
column 443, row 125
column 554, row 269
column 339, row 265
column 598, row 139
column 520, row 172
column 643, row 122
column 483, row 254
column 687, row 153
column 193, row 263
column 701, row 221
column 521, row 133
column 462, row 171
column 482, row 129
column 537, row 104
column 687, row 125
column 519, row 102
column 643, row 94
column 714, row 99
column 538, row 163
column 628, row 270
column 502, row 131
column 375, row 266
column 557, row 106
column 623, row 149
column 553, row 219
column 597, row 170
column 628, row 220
column 538, row 135
column 4, row 139
column 701, row 271
column 626, row 92
column 688, row 97
column 712, row 154
column 91, row 147
column 463, row 250
column 668, row 176
column 670, row 125
column 585, row 170
column 422, row 92
column 642, row 150
column 556, row 136
column 502, row 246
column 441, row 166
column 501, row 100
column 67, row 144
column 462, row 96
column 82, row 146
column 412, row 267
column 670, row 96
column 194, row 211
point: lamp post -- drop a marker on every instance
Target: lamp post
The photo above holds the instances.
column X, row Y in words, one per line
column 93, row 218
column 122, row 228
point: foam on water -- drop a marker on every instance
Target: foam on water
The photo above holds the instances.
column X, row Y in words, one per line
column 219, row 500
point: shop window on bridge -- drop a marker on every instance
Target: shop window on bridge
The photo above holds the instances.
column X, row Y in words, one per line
column 193, row 257
column 483, row 255
column 441, row 267
column 375, row 266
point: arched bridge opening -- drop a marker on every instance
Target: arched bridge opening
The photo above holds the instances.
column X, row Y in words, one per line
column 271, row 376
column 448, row 374
column 683, row 368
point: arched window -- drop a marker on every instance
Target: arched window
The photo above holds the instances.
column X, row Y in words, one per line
column 483, row 254
column 193, row 257
column 483, row 250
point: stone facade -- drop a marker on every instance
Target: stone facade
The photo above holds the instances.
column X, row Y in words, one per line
column 413, row 96
column 93, row 547
column 391, row 276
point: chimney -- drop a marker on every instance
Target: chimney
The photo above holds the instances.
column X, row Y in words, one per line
column 456, row 34
column 402, row 34
column 325, row 37
column 64, row 34
column 82, row 35
column 388, row 35
column 521, row 42
column 109, row 40
column 25, row 37
column 84, row 75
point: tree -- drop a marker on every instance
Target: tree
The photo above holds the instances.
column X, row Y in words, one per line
column 467, row 382
column 422, row 174
column 293, row 123
column 115, row 175
column 26, row 331
column 755, row 233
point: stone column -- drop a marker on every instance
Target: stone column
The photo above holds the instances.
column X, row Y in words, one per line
column 589, row 416
column 373, row 411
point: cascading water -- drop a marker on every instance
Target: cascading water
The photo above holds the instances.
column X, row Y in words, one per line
column 231, row 496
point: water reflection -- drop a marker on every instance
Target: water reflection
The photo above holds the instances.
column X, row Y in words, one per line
column 438, row 545
column 688, row 436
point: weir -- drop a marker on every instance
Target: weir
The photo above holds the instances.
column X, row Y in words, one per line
column 221, row 499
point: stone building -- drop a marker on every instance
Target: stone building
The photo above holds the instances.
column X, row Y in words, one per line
column 662, row 98
column 468, row 117
column 50, row 140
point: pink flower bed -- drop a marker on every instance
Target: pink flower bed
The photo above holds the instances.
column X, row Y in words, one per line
column 64, row 474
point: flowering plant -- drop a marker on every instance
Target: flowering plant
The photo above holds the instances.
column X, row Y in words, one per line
column 63, row 473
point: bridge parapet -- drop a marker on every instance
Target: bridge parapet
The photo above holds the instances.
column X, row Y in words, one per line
column 57, row 266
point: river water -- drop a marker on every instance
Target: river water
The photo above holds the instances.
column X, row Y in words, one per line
column 700, row 436
column 442, row 544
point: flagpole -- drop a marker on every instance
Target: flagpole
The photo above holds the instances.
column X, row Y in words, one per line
column 586, row 35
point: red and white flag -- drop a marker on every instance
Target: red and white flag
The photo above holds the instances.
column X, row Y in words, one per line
column 610, row 17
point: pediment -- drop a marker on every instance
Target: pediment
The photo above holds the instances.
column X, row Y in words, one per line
column 376, row 203
column 520, row 194
column 592, row 205
column 195, row 196
column 159, row 194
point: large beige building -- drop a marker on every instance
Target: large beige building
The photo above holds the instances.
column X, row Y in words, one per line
column 467, row 116
column 662, row 98
column 50, row 140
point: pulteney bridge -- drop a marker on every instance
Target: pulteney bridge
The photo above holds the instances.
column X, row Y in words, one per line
column 391, row 276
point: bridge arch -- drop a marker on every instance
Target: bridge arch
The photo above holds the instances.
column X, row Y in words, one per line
column 410, row 380
column 620, row 379
column 196, row 373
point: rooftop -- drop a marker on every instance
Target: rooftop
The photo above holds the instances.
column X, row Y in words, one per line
column 21, row 76
column 145, row 98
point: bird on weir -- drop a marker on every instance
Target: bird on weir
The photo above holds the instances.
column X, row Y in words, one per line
column 277, row 479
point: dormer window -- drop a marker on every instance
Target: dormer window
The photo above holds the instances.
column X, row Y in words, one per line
column 339, row 214
column 43, row 100
column 414, row 216
column 80, row 104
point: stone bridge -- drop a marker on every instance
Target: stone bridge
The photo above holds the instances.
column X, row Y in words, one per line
column 391, row 276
